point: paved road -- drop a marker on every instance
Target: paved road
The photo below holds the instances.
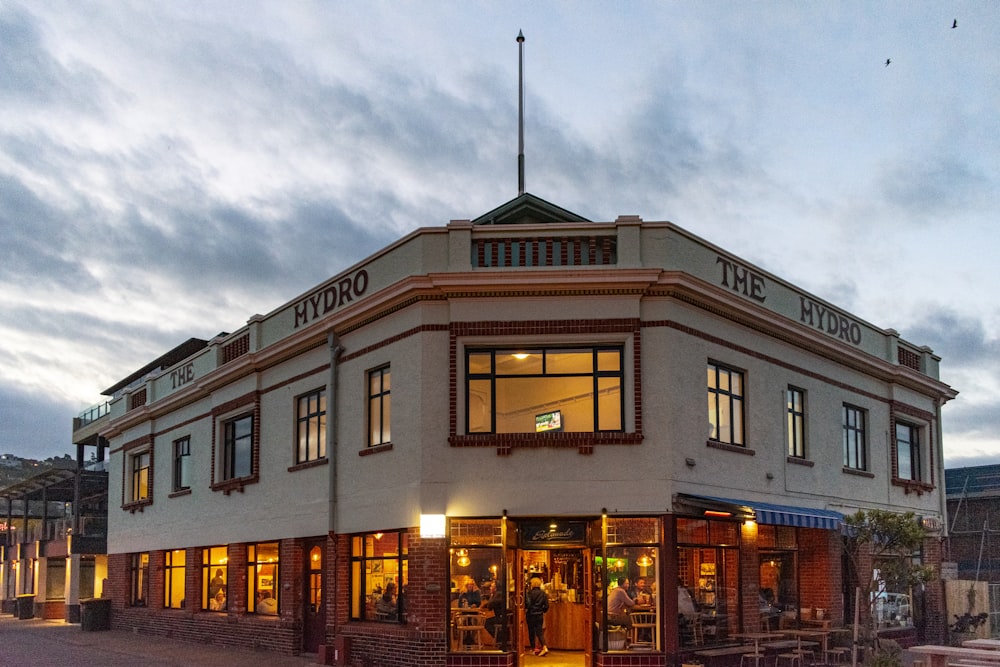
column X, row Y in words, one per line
column 39, row 643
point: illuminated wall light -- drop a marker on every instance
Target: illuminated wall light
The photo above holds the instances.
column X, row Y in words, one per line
column 520, row 356
column 432, row 525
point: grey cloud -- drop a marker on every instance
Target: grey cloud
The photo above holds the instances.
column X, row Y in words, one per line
column 931, row 188
column 32, row 78
column 959, row 339
column 36, row 243
column 34, row 425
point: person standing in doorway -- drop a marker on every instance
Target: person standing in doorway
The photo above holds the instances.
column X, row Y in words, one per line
column 536, row 603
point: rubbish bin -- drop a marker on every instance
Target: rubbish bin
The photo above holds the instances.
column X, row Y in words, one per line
column 26, row 606
column 95, row 614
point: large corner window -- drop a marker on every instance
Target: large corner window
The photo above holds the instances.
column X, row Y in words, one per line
column 725, row 404
column 182, row 464
column 237, row 453
column 708, row 581
column 214, row 578
column 173, row 580
column 311, row 427
column 908, row 451
column 855, row 450
column 536, row 390
column 139, row 579
column 795, row 405
column 139, row 465
column 379, row 576
column 262, row 578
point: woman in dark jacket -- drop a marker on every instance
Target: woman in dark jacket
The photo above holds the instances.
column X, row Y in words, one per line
column 536, row 603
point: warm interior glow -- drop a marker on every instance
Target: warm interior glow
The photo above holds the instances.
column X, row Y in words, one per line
column 520, row 356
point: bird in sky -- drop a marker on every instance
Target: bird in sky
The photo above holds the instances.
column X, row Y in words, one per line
column 887, row 61
column 954, row 24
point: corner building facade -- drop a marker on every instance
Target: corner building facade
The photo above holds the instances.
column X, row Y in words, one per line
column 525, row 395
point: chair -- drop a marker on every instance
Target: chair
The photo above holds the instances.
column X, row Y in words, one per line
column 643, row 630
column 754, row 657
column 470, row 626
column 789, row 659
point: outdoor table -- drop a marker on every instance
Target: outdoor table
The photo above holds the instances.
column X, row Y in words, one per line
column 993, row 644
column 822, row 635
column 757, row 637
column 939, row 655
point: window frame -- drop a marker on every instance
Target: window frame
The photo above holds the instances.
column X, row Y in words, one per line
column 170, row 599
column 254, row 566
column 856, row 456
column 214, row 558
column 140, row 476
column 304, row 426
column 381, row 434
column 232, row 447
column 363, row 566
column 914, row 448
column 795, row 422
column 544, row 351
column 735, row 401
column 182, row 464
column 139, row 579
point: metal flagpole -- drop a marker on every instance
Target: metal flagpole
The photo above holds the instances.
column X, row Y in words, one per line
column 520, row 113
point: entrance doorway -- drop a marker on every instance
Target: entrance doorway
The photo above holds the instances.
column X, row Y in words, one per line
column 561, row 573
column 314, row 612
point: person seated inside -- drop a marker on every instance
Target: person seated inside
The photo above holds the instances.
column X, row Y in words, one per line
column 619, row 603
column 386, row 607
column 471, row 597
column 687, row 613
column 496, row 602
column 267, row 604
column 641, row 592
column 218, row 603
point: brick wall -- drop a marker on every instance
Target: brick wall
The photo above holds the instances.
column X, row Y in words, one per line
column 821, row 581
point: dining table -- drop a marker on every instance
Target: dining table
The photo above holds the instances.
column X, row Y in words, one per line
column 991, row 644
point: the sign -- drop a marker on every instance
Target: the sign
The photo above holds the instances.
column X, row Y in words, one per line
column 534, row 533
column 949, row 570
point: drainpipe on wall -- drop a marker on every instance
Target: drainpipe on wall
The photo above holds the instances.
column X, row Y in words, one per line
column 333, row 342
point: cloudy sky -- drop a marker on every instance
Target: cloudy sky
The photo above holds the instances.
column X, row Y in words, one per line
column 168, row 169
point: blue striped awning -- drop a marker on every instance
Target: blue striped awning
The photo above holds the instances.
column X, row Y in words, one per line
column 789, row 515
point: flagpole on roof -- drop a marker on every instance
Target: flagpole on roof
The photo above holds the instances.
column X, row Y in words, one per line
column 520, row 113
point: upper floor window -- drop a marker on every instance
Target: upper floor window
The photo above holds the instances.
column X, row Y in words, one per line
column 379, row 407
column 139, row 579
column 182, row 464
column 311, row 427
column 795, row 400
column 262, row 578
column 140, row 476
column 907, row 451
column 237, row 453
column 533, row 390
column 173, row 580
column 214, row 578
column 855, row 452
column 725, row 404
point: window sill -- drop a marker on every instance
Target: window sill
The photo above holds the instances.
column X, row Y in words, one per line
column 137, row 506
column 795, row 460
column 309, row 464
column 913, row 486
column 584, row 443
column 738, row 449
column 230, row 485
column 859, row 473
column 182, row 492
column 377, row 449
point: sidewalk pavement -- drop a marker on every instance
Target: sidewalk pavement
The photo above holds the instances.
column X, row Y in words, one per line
column 41, row 643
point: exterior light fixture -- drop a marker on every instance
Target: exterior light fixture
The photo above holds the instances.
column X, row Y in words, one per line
column 432, row 525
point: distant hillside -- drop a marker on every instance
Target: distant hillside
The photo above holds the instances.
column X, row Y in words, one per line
column 14, row 469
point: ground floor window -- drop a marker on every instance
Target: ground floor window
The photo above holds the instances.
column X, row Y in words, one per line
column 708, row 581
column 139, row 579
column 778, row 571
column 214, row 568
column 173, row 580
column 262, row 578
column 631, row 583
column 55, row 578
column 378, row 576
column 892, row 604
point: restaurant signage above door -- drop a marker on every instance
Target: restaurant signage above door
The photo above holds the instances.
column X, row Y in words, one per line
column 552, row 533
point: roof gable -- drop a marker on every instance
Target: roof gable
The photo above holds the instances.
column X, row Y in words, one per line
column 527, row 209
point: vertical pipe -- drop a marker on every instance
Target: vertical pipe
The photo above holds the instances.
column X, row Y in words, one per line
column 333, row 343
column 520, row 113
